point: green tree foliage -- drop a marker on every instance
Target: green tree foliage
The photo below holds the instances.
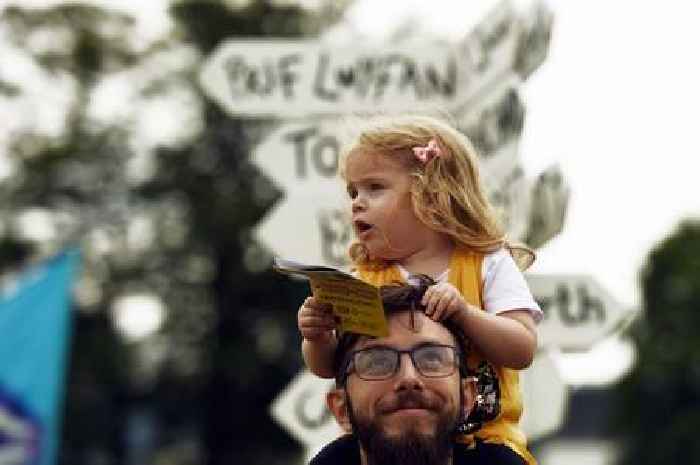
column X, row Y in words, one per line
column 659, row 400
column 179, row 226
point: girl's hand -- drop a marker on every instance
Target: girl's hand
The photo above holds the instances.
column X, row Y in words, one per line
column 316, row 322
column 443, row 301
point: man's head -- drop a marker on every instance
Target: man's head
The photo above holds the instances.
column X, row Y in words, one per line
column 403, row 395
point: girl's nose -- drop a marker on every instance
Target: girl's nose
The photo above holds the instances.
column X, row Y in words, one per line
column 358, row 203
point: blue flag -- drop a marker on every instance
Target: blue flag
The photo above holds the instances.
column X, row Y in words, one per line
column 34, row 333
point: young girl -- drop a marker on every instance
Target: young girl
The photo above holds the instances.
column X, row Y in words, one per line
column 418, row 208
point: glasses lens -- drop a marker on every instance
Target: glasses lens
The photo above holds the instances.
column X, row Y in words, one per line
column 375, row 363
column 434, row 360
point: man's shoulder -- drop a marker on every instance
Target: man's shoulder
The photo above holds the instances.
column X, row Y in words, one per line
column 342, row 451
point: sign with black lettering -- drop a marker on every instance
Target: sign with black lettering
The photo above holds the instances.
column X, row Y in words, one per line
column 508, row 191
column 578, row 312
column 302, row 158
column 495, row 119
column 293, row 79
column 549, row 199
column 301, row 409
column 276, row 78
column 309, row 226
column 534, row 44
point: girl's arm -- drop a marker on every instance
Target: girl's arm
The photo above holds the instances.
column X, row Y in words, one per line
column 316, row 325
column 318, row 357
column 508, row 338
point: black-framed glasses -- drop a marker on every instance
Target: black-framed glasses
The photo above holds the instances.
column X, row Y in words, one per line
column 380, row 363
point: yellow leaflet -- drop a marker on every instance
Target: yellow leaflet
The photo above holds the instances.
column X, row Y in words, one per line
column 356, row 303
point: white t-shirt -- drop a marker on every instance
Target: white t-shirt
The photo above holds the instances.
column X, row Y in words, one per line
column 504, row 286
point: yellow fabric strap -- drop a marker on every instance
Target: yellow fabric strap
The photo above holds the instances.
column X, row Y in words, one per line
column 465, row 275
column 381, row 277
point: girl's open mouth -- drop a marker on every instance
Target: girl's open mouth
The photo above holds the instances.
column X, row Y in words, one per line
column 362, row 227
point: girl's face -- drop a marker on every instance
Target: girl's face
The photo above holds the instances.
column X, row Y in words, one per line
column 382, row 210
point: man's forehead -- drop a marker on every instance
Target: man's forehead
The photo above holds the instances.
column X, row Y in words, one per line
column 407, row 328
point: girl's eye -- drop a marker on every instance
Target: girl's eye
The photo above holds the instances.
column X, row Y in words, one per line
column 376, row 186
column 352, row 192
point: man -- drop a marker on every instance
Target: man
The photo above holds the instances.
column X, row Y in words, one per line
column 402, row 397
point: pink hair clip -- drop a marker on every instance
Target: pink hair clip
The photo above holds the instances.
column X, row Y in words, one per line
column 427, row 153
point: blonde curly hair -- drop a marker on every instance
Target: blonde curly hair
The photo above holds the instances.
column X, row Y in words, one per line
column 446, row 192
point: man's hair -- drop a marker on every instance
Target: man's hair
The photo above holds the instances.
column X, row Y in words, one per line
column 398, row 298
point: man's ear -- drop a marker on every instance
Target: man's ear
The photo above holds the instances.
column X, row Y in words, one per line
column 338, row 405
column 469, row 393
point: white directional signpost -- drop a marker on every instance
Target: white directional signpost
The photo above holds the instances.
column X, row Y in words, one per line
column 578, row 312
column 301, row 409
column 509, row 196
column 309, row 82
column 550, row 197
column 544, row 397
column 303, row 159
column 303, row 78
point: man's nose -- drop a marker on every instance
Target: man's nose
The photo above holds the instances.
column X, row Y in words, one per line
column 408, row 376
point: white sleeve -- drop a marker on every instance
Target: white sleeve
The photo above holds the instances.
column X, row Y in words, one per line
column 505, row 287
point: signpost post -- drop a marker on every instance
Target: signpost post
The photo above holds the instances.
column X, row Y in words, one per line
column 544, row 396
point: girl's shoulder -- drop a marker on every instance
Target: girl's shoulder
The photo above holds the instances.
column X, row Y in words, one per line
column 497, row 255
column 491, row 262
column 496, row 260
column 504, row 285
column 519, row 257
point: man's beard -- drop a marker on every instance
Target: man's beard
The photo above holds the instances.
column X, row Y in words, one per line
column 410, row 447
